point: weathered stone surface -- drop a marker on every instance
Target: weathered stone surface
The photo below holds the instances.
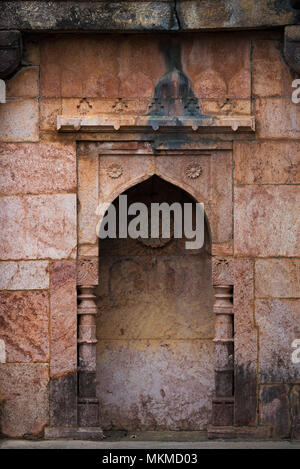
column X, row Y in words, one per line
column 236, row 14
column 88, row 198
column 38, row 227
column 29, row 311
column 26, row 399
column 105, row 67
column 222, row 249
column 245, row 343
column 222, row 412
column 271, row 76
column 279, row 326
column 37, row 168
column 74, row 433
column 295, row 411
column 50, row 108
column 88, row 250
column 24, row 275
column 25, row 84
column 181, row 308
column 31, row 50
column 63, row 400
column 160, row 400
column 240, row 433
column 63, row 314
column 277, row 118
column 267, row 162
column 291, row 45
column 274, row 409
column 10, row 52
column 212, row 77
column 100, row 67
column 100, row 16
column 19, row 121
column 277, row 278
column 88, row 413
column 267, row 221
column 146, row 16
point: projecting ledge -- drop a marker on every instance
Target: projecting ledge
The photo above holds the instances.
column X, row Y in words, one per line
column 96, row 123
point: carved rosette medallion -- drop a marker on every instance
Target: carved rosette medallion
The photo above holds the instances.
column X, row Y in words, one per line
column 115, row 171
column 193, row 170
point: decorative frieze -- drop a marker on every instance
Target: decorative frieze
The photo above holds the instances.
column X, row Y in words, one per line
column 98, row 123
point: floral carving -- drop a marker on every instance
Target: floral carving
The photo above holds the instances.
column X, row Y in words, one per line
column 193, row 170
column 222, row 271
column 84, row 106
column 87, row 272
column 115, row 171
column 119, row 106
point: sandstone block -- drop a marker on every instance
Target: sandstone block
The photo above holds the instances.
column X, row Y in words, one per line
column 24, row 275
column 274, row 409
column 37, row 227
column 19, row 121
column 267, row 221
column 63, row 313
column 24, row 324
column 26, row 399
column 37, row 168
column 278, row 322
column 161, row 399
column 271, row 76
column 267, row 162
column 25, row 84
column 277, row 118
column 277, row 278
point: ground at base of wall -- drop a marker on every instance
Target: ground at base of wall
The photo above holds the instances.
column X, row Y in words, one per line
column 154, row 444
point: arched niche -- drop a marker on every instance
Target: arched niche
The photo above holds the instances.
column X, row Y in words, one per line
column 155, row 326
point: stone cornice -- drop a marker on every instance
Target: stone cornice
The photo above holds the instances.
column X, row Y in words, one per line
column 163, row 15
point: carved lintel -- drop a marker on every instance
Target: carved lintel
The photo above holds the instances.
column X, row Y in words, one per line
column 292, row 46
column 10, row 52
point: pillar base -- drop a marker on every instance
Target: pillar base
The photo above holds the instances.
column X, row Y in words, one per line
column 74, row 433
column 223, row 411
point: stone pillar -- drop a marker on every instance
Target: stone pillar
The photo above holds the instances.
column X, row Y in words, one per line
column 88, row 406
column 223, row 402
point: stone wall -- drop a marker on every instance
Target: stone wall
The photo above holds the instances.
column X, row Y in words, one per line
column 231, row 73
